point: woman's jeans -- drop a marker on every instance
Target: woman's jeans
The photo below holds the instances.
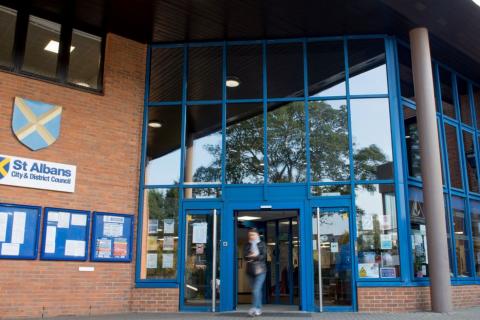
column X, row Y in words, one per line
column 256, row 283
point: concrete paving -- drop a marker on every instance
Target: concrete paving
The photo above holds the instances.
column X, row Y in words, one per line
column 465, row 314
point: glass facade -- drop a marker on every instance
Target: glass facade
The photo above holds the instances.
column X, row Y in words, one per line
column 458, row 109
column 290, row 114
column 314, row 120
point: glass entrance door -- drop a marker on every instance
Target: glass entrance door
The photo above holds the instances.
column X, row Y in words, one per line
column 332, row 257
column 202, row 260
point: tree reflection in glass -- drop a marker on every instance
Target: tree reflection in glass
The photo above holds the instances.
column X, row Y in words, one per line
column 286, row 146
column 329, row 151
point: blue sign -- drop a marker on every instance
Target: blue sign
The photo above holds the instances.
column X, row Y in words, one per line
column 19, row 227
column 112, row 237
column 36, row 124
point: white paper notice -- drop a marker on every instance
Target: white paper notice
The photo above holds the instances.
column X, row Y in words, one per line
column 115, row 219
column 314, row 225
column 75, row 248
column 199, row 233
column 50, row 237
column 112, row 229
column 18, row 227
column 168, row 226
column 167, row 261
column 334, row 247
column 53, row 216
column 79, row 220
column 10, row 249
column 3, row 226
column 367, row 222
column 152, row 259
column 63, row 220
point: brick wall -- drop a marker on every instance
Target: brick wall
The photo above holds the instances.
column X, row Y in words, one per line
column 154, row 300
column 101, row 135
column 410, row 299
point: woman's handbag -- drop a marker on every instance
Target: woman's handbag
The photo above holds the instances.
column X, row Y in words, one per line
column 254, row 268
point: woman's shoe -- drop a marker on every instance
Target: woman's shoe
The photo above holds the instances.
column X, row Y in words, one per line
column 258, row 312
column 252, row 312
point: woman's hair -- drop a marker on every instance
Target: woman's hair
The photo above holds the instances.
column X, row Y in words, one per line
column 254, row 230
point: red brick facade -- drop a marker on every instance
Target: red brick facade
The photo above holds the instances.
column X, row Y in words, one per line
column 101, row 135
column 410, row 299
column 154, row 300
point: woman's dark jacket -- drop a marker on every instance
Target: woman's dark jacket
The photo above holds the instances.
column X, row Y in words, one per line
column 257, row 262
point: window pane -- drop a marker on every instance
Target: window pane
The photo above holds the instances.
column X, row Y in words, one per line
column 205, row 73
column 471, row 161
column 331, row 190
column 475, row 214
column 453, row 156
column 160, row 234
column 166, row 74
column 329, row 148
column 163, row 145
column 203, row 150
column 244, row 65
column 418, row 233
column 203, row 193
column 372, row 144
column 285, row 70
column 447, row 93
column 405, row 70
column 326, row 69
column 84, row 65
column 367, row 68
column 412, row 142
column 41, row 49
column 286, row 149
column 377, row 239
column 244, row 143
column 476, row 101
column 461, row 237
column 8, row 19
column 464, row 100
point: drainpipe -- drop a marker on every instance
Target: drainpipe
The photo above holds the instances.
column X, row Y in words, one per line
column 439, row 269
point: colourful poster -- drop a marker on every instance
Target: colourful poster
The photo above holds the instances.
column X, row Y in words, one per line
column 120, row 247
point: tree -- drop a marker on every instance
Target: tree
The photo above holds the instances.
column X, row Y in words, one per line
column 286, row 147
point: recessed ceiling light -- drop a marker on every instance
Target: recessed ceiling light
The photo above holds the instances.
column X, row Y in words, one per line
column 53, row 45
column 248, row 218
column 154, row 124
column 477, row 2
column 232, row 82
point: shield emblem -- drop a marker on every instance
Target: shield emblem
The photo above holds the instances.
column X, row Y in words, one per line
column 36, row 124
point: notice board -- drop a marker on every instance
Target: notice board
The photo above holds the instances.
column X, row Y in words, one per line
column 112, row 237
column 19, row 226
column 65, row 234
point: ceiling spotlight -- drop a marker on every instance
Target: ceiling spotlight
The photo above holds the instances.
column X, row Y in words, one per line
column 154, row 124
column 232, row 82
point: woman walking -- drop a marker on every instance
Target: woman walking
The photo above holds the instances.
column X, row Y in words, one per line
column 255, row 254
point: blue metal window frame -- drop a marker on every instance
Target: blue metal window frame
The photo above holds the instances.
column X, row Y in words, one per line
column 465, row 193
column 399, row 180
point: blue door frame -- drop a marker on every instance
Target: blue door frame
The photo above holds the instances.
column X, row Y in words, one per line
column 329, row 203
